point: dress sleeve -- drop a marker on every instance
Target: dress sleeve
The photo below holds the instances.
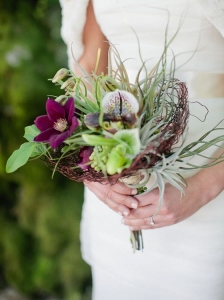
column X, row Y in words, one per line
column 73, row 21
column 214, row 11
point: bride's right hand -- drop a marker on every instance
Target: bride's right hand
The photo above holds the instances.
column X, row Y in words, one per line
column 118, row 196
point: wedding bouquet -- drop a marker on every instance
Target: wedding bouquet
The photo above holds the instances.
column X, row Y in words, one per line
column 105, row 128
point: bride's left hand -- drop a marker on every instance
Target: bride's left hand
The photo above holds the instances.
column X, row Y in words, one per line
column 175, row 208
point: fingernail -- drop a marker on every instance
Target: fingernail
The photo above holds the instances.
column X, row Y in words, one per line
column 122, row 221
column 119, row 213
column 131, row 228
column 134, row 205
column 125, row 213
column 134, row 191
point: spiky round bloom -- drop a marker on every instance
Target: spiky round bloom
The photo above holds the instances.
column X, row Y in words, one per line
column 59, row 123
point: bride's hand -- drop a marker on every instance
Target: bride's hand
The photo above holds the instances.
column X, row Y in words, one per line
column 117, row 197
column 200, row 189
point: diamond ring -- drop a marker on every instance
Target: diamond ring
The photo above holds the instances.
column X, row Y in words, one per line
column 152, row 221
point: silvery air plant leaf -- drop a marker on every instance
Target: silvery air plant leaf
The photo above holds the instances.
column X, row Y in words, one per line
column 105, row 128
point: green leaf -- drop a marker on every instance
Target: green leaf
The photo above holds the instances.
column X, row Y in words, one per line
column 20, row 157
column 31, row 132
column 39, row 150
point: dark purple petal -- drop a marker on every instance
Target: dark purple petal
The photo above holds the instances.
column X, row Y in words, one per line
column 73, row 126
column 43, row 123
column 84, row 157
column 45, row 135
column 57, row 139
column 92, row 120
column 55, row 110
column 69, row 108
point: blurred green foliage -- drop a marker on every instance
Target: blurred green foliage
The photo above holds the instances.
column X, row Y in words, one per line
column 39, row 217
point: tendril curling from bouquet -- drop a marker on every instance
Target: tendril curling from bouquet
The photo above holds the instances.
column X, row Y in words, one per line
column 105, row 128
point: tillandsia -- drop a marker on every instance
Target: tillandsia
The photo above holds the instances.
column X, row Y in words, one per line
column 105, row 128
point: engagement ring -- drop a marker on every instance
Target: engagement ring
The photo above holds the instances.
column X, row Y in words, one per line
column 152, row 221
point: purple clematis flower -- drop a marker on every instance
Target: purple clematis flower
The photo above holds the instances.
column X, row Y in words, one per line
column 84, row 157
column 58, row 124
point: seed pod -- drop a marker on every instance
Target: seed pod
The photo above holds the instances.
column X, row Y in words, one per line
column 61, row 99
column 62, row 73
column 68, row 84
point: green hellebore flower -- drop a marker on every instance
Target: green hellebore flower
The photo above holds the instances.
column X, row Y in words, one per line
column 122, row 155
column 125, row 146
column 131, row 138
column 117, row 160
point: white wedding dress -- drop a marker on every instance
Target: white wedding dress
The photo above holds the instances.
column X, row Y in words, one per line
column 184, row 261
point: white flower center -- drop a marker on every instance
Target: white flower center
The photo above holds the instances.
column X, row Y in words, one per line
column 60, row 125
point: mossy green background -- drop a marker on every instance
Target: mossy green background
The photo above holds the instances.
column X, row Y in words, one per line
column 39, row 216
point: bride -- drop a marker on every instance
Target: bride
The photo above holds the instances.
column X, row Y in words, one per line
column 184, row 261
